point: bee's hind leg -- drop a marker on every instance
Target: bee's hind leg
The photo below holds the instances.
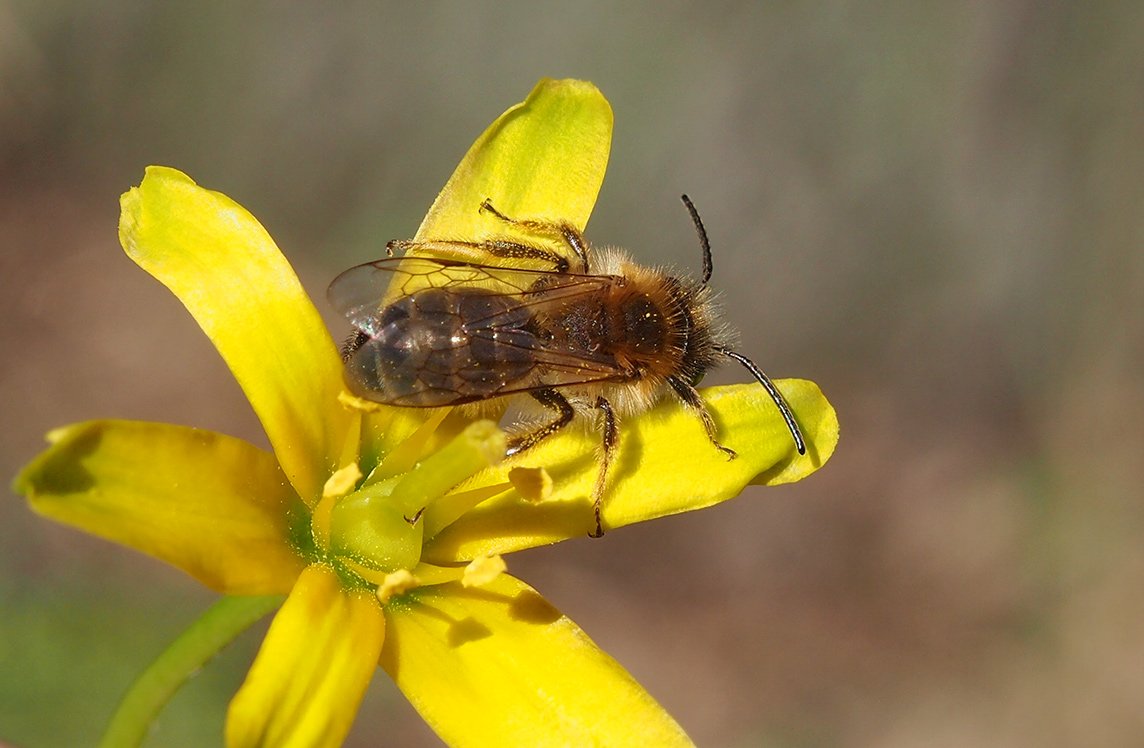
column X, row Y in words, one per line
column 478, row 252
column 610, row 435
column 556, row 229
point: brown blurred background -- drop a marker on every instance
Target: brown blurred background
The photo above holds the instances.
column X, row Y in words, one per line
column 934, row 210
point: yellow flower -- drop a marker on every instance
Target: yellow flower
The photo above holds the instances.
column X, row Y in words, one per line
column 383, row 527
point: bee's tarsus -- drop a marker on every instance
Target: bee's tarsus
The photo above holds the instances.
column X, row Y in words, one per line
column 487, row 207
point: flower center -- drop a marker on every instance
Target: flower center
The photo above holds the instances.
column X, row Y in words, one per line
column 371, row 527
column 379, row 526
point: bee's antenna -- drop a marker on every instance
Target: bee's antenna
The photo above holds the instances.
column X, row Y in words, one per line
column 780, row 401
column 702, row 237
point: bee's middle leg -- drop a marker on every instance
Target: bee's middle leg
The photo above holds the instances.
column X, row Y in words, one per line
column 552, row 400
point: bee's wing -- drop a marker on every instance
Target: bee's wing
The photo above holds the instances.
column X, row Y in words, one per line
column 364, row 293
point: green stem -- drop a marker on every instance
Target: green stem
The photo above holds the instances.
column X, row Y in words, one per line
column 206, row 637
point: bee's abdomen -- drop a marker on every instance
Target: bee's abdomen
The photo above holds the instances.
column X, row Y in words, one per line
column 442, row 347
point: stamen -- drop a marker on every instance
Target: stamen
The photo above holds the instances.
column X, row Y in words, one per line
column 450, row 507
column 351, row 401
column 533, row 484
column 483, row 570
column 396, row 583
column 431, row 574
column 342, row 481
column 405, row 455
column 376, row 577
column 480, row 445
column 337, row 485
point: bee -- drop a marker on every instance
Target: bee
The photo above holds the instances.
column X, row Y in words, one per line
column 582, row 331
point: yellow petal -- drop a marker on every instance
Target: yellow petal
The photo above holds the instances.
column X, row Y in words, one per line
column 664, row 465
column 227, row 271
column 214, row 506
column 312, row 670
column 499, row 665
column 544, row 158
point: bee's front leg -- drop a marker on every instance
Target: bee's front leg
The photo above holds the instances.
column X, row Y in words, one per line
column 690, row 397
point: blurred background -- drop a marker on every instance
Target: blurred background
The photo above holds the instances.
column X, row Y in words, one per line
column 935, row 211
